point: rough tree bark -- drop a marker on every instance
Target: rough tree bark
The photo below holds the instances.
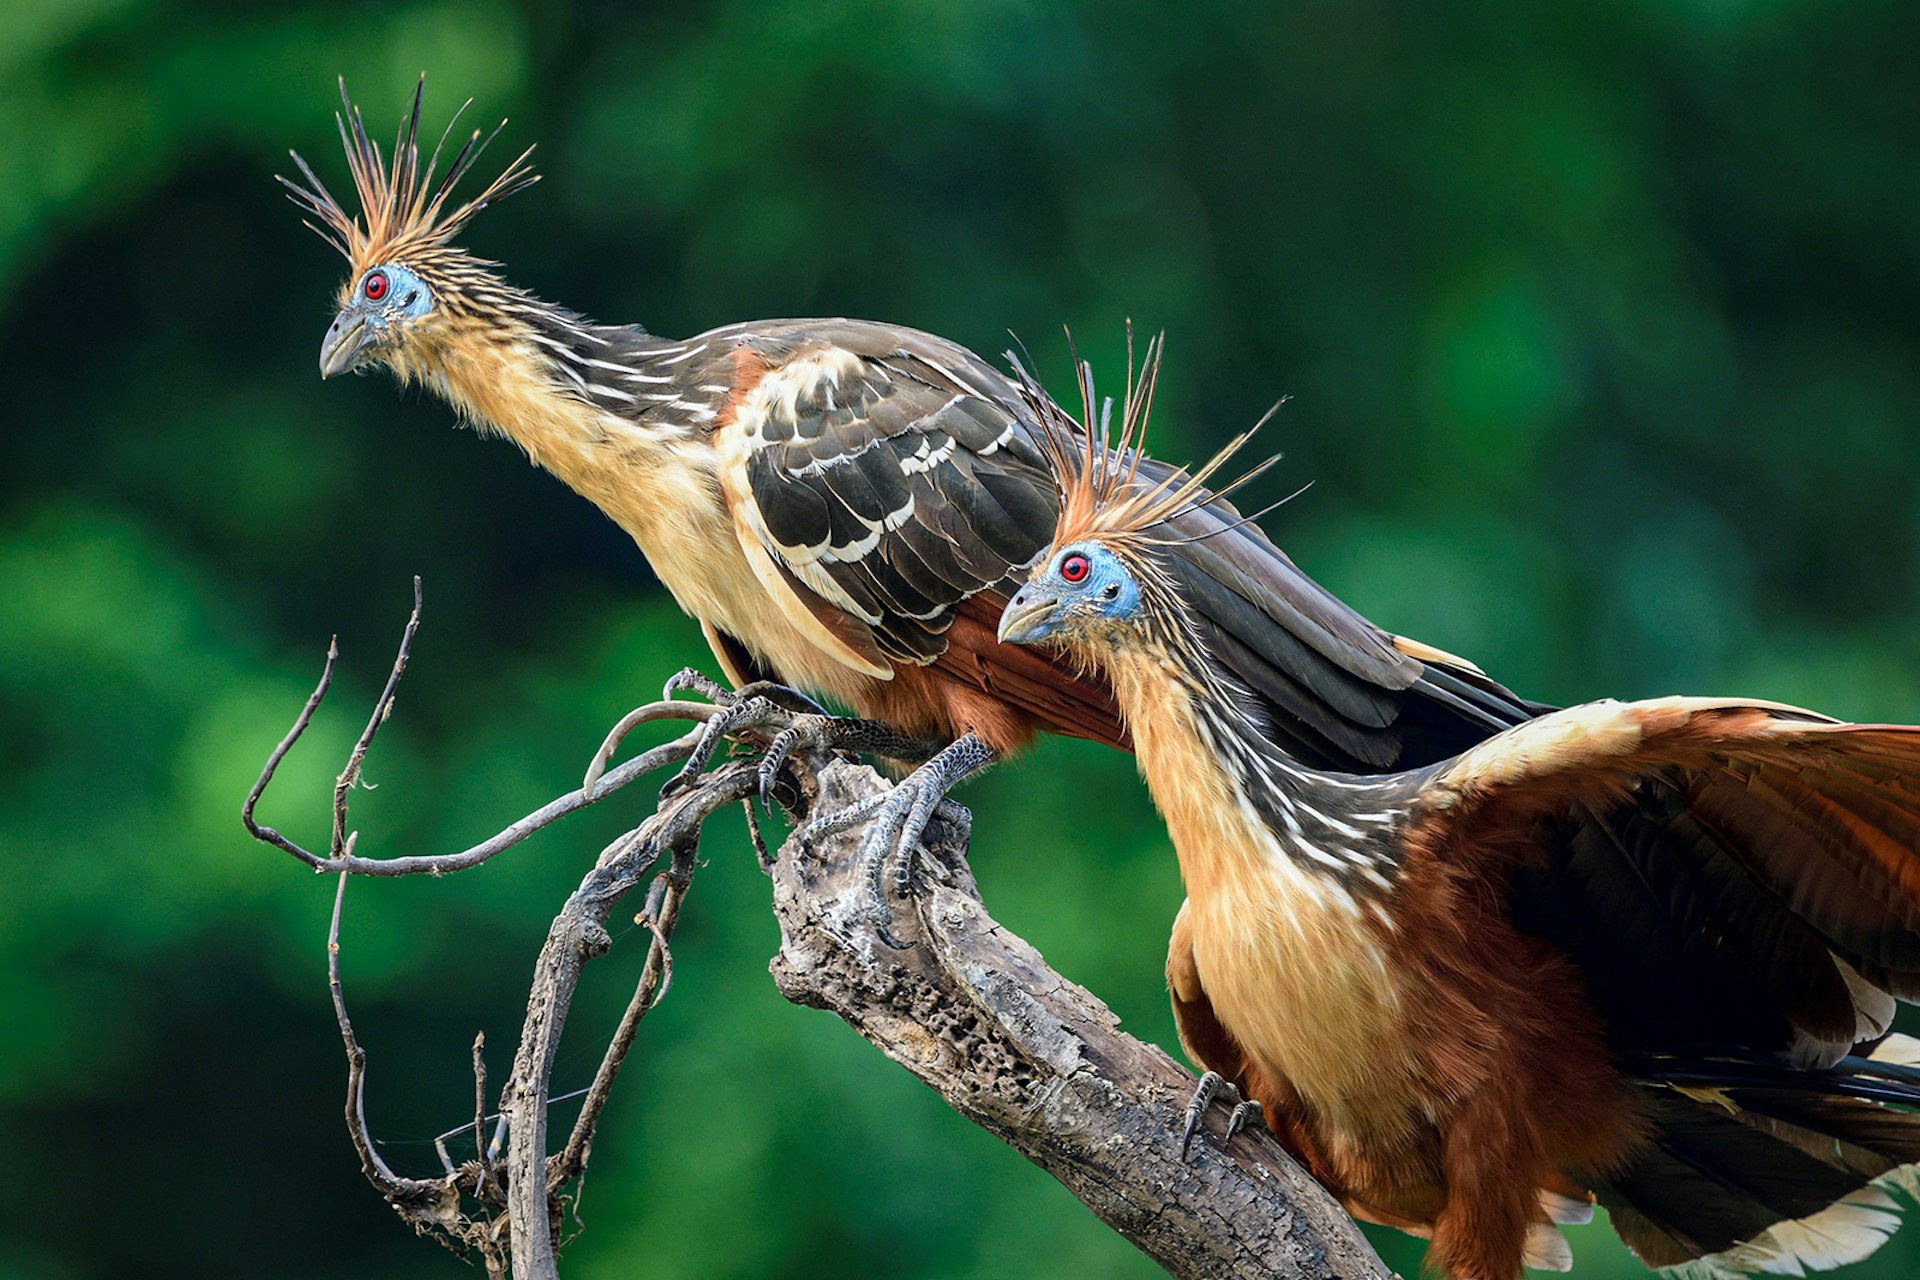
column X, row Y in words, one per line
column 967, row 1007
column 975, row 1013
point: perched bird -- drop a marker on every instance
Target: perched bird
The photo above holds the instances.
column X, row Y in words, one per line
column 842, row 504
column 1644, row 953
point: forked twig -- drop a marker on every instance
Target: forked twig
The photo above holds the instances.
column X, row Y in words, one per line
column 431, row 1205
column 340, row 855
column 473, row 1205
column 969, row 1008
column 579, row 934
column 659, row 916
column 342, row 841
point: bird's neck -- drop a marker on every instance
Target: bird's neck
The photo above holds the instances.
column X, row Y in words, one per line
column 1288, row 925
column 1239, row 810
column 604, row 408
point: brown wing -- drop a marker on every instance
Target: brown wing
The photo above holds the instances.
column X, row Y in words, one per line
column 1028, row 677
column 1727, row 875
column 890, row 476
column 867, row 466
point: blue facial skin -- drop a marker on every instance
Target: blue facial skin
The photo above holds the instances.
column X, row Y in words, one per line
column 386, row 298
column 1051, row 603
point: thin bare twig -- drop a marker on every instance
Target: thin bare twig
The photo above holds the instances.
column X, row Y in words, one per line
column 265, row 834
column 970, row 1009
column 436, row 1206
column 340, row 855
column 482, row 1184
column 579, row 934
column 659, row 918
column 343, row 786
column 430, row 1205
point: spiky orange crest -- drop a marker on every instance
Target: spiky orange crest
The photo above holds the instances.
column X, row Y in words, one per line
column 403, row 214
column 1102, row 495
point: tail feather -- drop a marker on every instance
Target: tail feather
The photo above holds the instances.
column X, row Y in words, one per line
column 1846, row 1231
column 1897, row 1050
column 1547, row 1249
column 1745, row 1178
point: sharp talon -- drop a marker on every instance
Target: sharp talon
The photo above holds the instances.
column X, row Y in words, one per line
column 899, row 818
column 690, row 679
column 1244, row 1116
column 1203, row 1093
column 753, row 711
column 882, row 921
column 770, row 764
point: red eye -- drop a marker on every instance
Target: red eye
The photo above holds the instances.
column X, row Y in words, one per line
column 375, row 287
column 1074, row 568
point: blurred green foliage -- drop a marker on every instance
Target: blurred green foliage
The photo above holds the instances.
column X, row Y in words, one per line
column 1601, row 326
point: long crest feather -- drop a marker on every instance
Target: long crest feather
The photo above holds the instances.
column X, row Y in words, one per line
column 1097, row 477
column 402, row 211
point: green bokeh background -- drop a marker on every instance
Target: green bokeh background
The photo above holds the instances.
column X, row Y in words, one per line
column 1600, row 327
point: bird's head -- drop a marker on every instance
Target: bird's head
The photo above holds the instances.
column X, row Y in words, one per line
column 385, row 310
column 409, row 288
column 1101, row 583
column 1079, row 593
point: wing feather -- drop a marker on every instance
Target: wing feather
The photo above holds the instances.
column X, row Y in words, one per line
column 1747, row 861
column 892, row 475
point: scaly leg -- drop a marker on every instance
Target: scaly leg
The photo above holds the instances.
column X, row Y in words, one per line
column 899, row 818
column 788, row 719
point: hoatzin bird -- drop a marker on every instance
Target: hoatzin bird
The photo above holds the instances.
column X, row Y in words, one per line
column 1645, row 952
column 842, row 504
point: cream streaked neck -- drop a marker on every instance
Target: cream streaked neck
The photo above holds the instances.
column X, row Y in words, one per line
column 1197, row 796
column 1237, row 806
column 562, row 390
column 504, row 384
column 1286, row 947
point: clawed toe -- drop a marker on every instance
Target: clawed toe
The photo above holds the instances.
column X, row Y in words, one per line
column 762, row 706
column 805, row 729
column 787, row 720
column 873, row 854
column 742, row 714
column 899, row 819
column 1213, row 1085
column 1245, row 1116
column 693, row 680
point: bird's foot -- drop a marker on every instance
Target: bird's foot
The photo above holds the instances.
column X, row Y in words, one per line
column 786, row 720
column 1214, row 1085
column 762, row 706
column 898, row 819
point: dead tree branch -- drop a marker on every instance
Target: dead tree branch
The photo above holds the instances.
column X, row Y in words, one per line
column 340, row 855
column 977, row 1016
column 969, row 1008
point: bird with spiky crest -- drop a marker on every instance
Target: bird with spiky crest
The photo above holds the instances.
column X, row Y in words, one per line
column 842, row 504
column 1643, row 953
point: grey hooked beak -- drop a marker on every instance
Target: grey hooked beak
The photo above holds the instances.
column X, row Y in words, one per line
column 1029, row 616
column 347, row 340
